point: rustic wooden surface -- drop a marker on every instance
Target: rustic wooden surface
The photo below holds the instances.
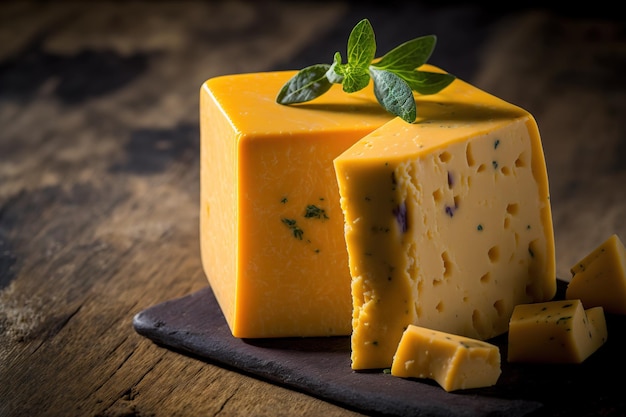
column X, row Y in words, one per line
column 99, row 171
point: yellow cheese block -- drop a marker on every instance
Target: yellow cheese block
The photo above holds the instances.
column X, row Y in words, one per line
column 599, row 279
column 555, row 332
column 447, row 221
column 271, row 227
column 455, row 362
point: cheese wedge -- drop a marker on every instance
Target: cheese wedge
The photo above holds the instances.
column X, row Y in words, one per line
column 599, row 279
column 555, row 332
column 271, row 227
column 454, row 362
column 447, row 221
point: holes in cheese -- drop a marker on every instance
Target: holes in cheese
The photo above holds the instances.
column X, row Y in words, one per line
column 555, row 332
column 454, row 362
column 472, row 178
column 599, row 279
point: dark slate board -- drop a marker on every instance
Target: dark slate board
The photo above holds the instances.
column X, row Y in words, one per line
column 320, row 367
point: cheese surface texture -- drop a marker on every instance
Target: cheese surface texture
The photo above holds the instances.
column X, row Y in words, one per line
column 599, row 279
column 271, row 227
column 454, row 362
column 447, row 221
column 555, row 332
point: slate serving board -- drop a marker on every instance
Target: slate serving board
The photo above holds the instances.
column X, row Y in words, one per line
column 320, row 367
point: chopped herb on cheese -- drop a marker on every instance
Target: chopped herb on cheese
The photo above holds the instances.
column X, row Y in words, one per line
column 295, row 229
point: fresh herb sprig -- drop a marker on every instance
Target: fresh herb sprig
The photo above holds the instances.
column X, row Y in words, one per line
column 395, row 76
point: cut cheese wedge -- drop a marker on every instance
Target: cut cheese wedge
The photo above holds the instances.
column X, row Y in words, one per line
column 454, row 362
column 555, row 332
column 447, row 221
column 599, row 279
column 271, row 227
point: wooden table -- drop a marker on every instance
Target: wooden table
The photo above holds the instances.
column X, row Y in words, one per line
column 99, row 171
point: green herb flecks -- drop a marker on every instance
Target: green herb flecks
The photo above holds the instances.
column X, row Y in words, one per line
column 312, row 211
column 295, row 229
column 395, row 76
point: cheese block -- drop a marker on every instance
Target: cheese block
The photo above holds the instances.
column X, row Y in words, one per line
column 454, row 362
column 447, row 221
column 271, row 227
column 599, row 279
column 555, row 332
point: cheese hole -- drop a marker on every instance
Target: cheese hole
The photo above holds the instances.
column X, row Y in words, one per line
column 507, row 222
column 481, row 168
column 500, row 307
column 447, row 265
column 445, row 156
column 531, row 249
column 520, row 161
column 536, row 261
column 418, row 311
column 485, row 278
column 531, row 291
column 479, row 324
column 494, row 254
column 439, row 306
column 512, row 208
column 512, row 258
column 437, row 195
column 412, row 269
column 505, row 171
column 469, row 156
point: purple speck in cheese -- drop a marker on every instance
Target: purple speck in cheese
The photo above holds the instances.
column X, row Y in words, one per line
column 450, row 210
column 401, row 217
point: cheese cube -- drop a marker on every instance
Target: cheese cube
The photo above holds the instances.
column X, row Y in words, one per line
column 555, row 332
column 455, row 362
column 599, row 279
column 447, row 221
column 271, row 227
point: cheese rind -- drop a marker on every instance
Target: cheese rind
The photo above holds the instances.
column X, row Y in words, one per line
column 455, row 362
column 447, row 221
column 599, row 279
column 271, row 227
column 555, row 332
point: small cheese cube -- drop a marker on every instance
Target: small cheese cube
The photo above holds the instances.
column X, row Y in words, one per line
column 455, row 362
column 599, row 279
column 555, row 332
column 447, row 221
column 271, row 227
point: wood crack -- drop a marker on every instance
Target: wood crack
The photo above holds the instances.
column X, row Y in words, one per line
column 226, row 401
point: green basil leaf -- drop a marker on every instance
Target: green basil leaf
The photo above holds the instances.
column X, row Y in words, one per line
column 335, row 73
column 425, row 82
column 361, row 45
column 394, row 94
column 309, row 83
column 408, row 56
column 355, row 79
column 396, row 75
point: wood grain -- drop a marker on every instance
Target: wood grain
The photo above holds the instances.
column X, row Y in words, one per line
column 99, row 171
